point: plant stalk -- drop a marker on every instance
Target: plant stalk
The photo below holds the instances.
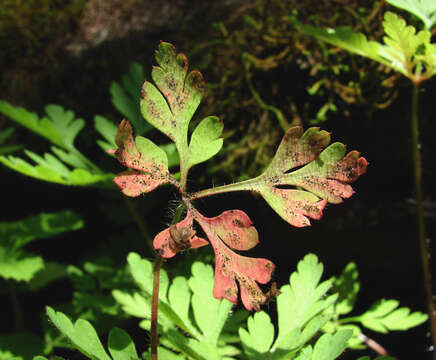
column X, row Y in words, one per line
column 155, row 296
column 155, row 307
column 16, row 308
column 425, row 255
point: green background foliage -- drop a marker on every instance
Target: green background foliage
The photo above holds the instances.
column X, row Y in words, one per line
column 263, row 75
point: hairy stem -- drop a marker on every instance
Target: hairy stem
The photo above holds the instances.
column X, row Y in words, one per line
column 247, row 185
column 374, row 345
column 425, row 255
column 16, row 308
column 155, row 296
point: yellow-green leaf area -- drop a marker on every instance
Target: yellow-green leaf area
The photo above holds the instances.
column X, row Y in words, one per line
column 205, row 140
column 150, row 151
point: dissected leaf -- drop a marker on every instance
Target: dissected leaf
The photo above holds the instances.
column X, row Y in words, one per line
column 302, row 300
column 404, row 47
column 423, row 9
column 402, row 40
column 323, row 178
column 210, row 313
column 52, row 170
column 231, row 267
column 170, row 106
column 235, row 229
column 81, row 334
column 143, row 155
column 385, row 315
column 344, row 37
column 259, row 336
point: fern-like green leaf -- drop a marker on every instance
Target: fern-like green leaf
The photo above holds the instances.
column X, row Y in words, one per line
column 385, row 315
column 81, row 333
column 301, row 300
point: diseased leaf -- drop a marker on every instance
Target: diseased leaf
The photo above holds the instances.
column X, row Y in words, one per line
column 385, row 315
column 323, row 178
column 168, row 243
column 205, row 140
column 235, row 228
column 170, row 106
column 143, row 155
column 81, row 334
column 231, row 267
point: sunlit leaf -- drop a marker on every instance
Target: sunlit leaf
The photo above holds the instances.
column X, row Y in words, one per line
column 301, row 301
column 259, row 336
column 205, row 140
column 82, row 334
column 385, row 315
column 423, row 9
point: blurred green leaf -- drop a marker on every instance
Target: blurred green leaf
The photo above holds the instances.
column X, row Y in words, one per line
column 19, row 265
column 423, row 9
column 108, row 130
column 347, row 286
column 125, row 97
column 121, row 346
column 7, row 149
column 20, row 346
